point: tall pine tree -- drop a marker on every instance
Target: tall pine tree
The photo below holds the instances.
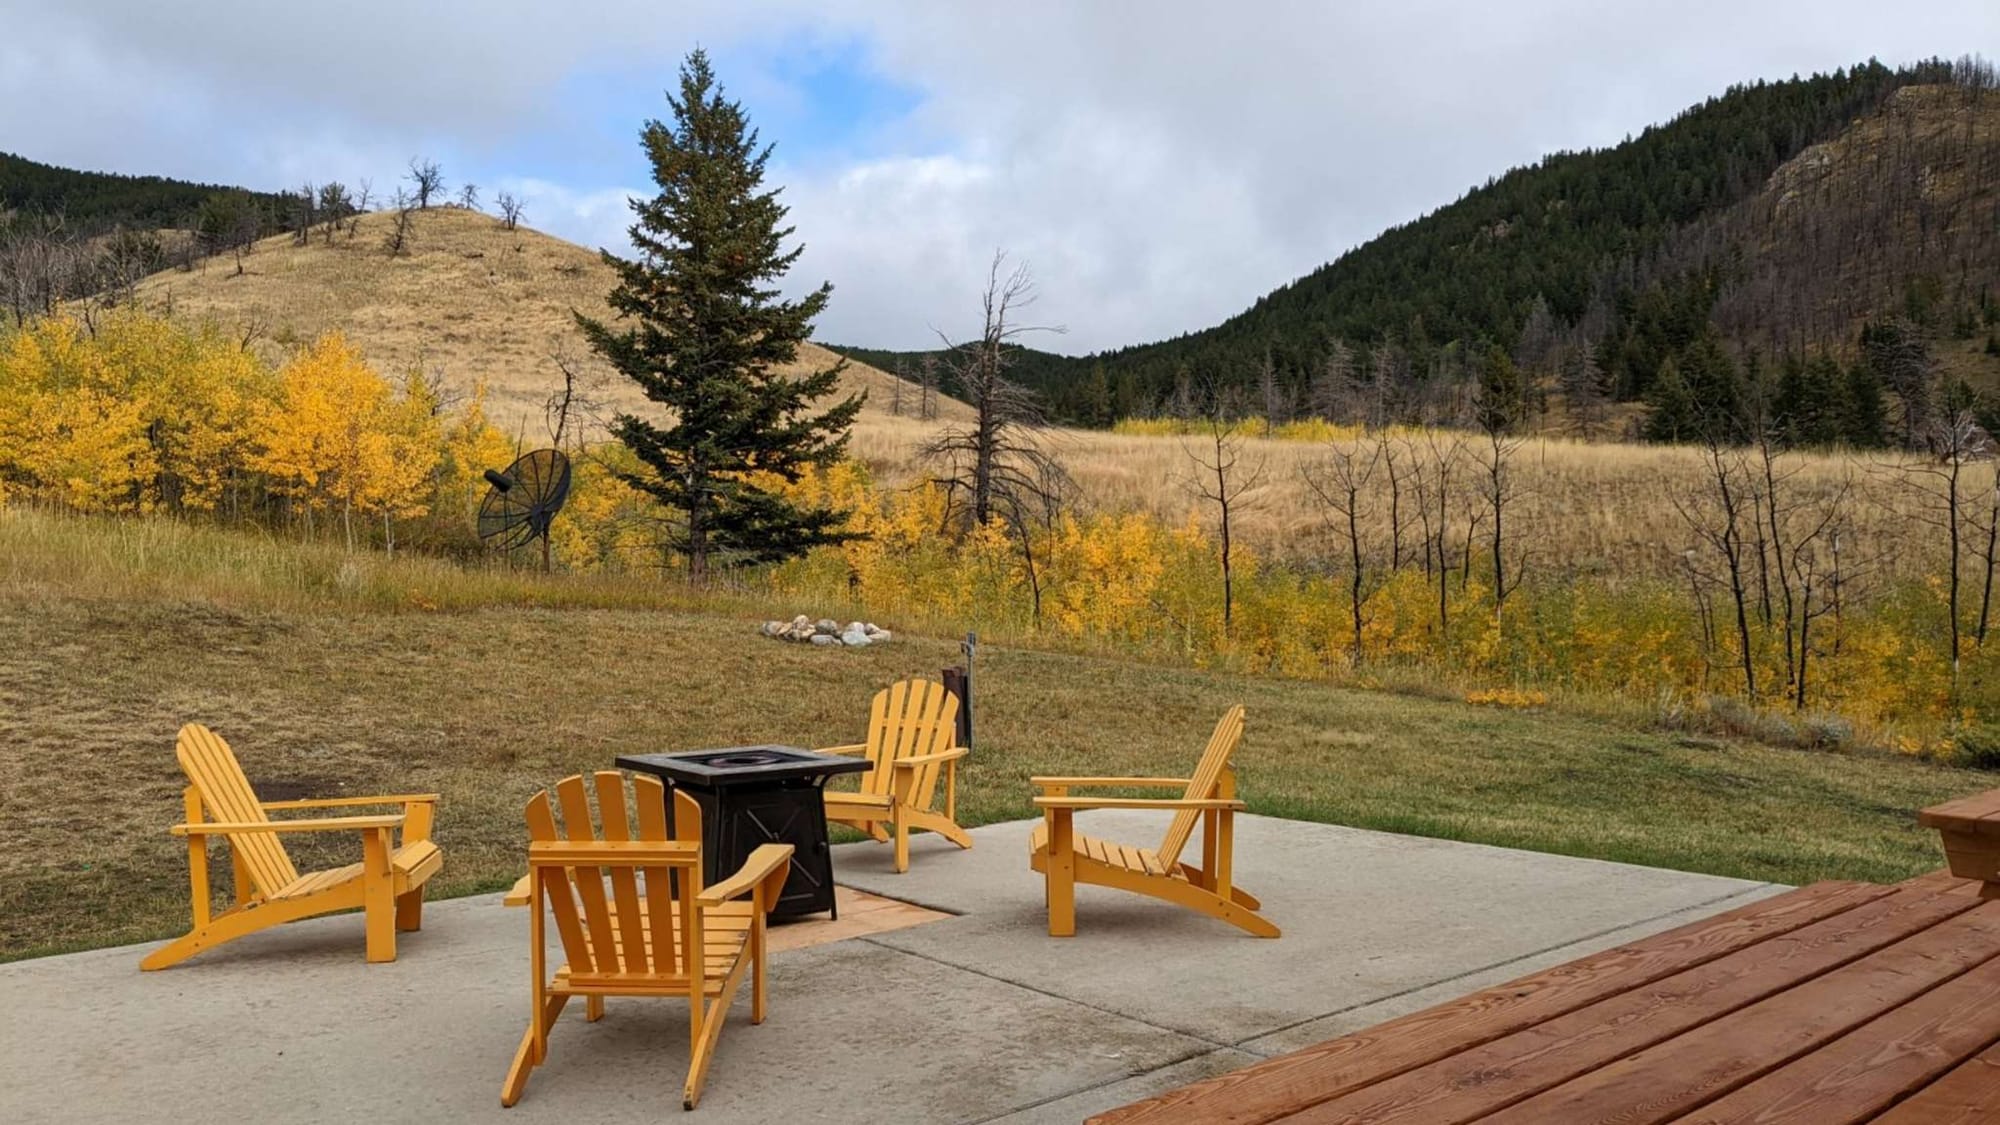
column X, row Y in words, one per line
column 704, row 334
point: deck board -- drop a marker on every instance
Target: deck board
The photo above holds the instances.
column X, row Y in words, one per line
column 1969, row 1095
column 1834, row 1003
column 1273, row 1088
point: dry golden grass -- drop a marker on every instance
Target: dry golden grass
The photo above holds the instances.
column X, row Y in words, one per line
column 103, row 656
column 1588, row 507
column 469, row 299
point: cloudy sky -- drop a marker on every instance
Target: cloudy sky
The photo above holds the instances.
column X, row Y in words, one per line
column 1160, row 164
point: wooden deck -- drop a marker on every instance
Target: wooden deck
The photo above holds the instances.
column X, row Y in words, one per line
column 1837, row 1002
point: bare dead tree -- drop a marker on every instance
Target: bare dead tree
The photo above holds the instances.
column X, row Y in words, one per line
column 1221, row 477
column 1341, row 482
column 305, row 213
column 468, row 197
column 1718, row 517
column 1397, row 470
column 1272, row 392
column 927, row 387
column 364, row 198
column 426, row 179
column 1986, row 532
column 1336, row 394
column 41, row 264
column 335, row 205
column 578, row 402
column 902, row 375
column 1499, row 493
column 510, row 209
column 1436, row 460
column 1940, row 487
column 998, row 465
column 397, row 240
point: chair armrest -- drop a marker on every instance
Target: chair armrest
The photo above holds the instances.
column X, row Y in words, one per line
column 330, row 824
column 1139, row 803
column 856, row 750
column 352, row 802
column 1108, row 782
column 916, row 760
column 766, row 861
column 519, row 894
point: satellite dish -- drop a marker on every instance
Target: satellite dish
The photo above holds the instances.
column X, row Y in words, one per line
column 524, row 500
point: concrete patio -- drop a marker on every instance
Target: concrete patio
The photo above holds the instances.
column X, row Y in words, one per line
column 980, row 1017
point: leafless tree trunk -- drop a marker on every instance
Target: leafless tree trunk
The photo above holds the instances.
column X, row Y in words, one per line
column 1499, row 491
column 1221, row 478
column 397, row 241
column 510, row 210
column 999, row 467
column 1717, row 517
column 426, row 180
column 1340, row 481
column 927, row 387
column 1272, row 394
column 1939, row 486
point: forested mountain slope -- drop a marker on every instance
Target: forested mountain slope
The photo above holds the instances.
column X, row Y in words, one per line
column 1785, row 213
column 96, row 201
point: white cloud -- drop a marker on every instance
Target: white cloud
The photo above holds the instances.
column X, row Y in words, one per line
column 1160, row 164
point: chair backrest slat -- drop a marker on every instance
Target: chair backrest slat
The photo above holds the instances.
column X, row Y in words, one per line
column 589, row 882
column 556, row 887
column 607, row 935
column 624, row 880
column 213, row 770
column 649, row 798
column 908, row 719
column 1204, row 783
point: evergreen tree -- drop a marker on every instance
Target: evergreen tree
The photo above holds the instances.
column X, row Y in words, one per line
column 1675, row 416
column 1863, row 415
column 1503, row 398
column 706, row 338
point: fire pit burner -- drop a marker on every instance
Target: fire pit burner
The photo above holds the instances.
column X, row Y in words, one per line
column 742, row 759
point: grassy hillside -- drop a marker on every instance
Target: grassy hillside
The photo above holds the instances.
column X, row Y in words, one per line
column 335, row 673
column 469, row 299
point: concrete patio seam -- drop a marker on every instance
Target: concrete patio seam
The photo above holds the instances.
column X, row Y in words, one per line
column 1101, row 1010
column 1081, row 1090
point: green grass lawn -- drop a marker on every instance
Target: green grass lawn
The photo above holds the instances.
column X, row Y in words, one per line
column 488, row 705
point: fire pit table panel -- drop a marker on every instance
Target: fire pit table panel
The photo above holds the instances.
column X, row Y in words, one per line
column 751, row 795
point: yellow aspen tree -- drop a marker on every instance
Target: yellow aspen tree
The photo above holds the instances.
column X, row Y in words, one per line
column 65, row 431
column 318, row 438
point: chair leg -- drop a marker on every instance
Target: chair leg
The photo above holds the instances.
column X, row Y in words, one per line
column 1061, row 875
column 177, row 950
column 942, row 825
column 902, row 826
column 593, row 1008
column 410, row 911
column 524, row 1057
column 378, row 897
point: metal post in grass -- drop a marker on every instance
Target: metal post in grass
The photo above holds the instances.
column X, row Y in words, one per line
column 958, row 681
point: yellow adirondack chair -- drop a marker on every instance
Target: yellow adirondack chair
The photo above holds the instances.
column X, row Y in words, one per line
column 1067, row 857
column 912, row 731
column 397, row 857
column 635, row 941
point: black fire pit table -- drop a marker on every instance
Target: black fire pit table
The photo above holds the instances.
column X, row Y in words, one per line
column 751, row 795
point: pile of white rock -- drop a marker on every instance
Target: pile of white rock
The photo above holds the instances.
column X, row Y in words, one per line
column 826, row 631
